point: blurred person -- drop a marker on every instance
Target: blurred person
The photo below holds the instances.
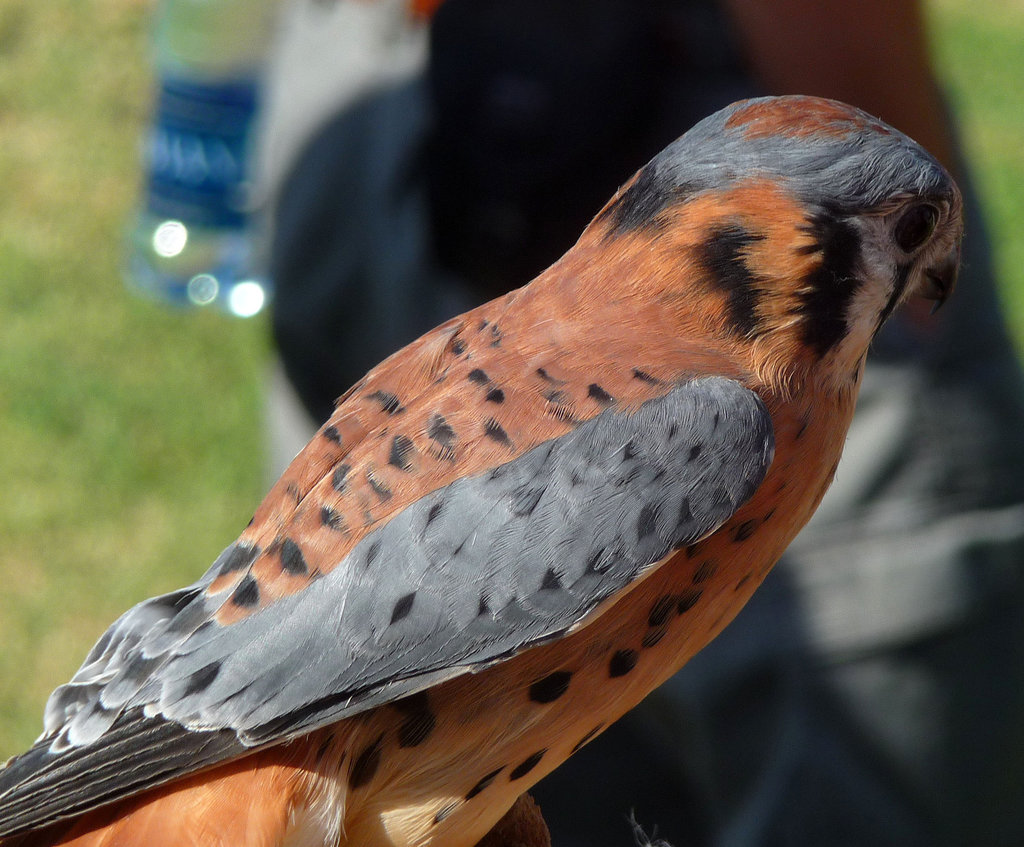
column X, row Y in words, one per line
column 870, row 693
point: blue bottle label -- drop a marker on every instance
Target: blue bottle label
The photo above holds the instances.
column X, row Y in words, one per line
column 198, row 148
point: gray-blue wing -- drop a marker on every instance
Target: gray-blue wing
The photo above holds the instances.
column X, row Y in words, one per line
column 471, row 574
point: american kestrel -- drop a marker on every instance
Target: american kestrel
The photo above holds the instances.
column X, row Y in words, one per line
column 513, row 529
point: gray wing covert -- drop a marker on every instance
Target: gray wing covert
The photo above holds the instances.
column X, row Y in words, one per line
column 472, row 573
column 481, row 569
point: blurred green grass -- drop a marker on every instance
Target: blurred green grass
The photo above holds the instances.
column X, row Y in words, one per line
column 131, row 446
column 979, row 56
column 131, row 436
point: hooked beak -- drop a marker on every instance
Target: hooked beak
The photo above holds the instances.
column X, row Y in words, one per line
column 940, row 279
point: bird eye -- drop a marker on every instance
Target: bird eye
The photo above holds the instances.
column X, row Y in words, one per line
column 916, row 226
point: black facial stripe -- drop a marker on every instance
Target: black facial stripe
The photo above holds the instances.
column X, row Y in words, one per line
column 899, row 286
column 721, row 256
column 833, row 284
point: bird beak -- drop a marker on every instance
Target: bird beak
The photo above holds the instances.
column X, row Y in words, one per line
column 940, row 279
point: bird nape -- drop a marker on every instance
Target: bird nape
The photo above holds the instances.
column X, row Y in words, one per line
column 514, row 528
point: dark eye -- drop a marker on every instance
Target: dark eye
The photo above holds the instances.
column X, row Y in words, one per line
column 916, row 226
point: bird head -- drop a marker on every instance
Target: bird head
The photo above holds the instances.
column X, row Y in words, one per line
column 789, row 229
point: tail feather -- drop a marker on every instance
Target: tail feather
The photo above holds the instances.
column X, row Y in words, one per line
column 39, row 787
column 248, row 801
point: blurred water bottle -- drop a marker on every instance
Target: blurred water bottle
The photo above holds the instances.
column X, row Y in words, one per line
column 194, row 239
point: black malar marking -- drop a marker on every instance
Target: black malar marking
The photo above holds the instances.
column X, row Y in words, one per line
column 833, row 284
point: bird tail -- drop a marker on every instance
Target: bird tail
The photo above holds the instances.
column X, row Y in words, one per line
column 249, row 801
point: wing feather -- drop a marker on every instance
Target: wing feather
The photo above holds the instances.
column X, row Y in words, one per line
column 471, row 574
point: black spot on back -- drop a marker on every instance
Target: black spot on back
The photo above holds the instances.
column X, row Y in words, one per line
column 439, row 431
column 479, row 377
column 434, row 512
column 458, row 346
column 388, row 402
column 551, row 687
column 622, row 662
column 339, row 479
column 379, row 488
column 331, row 434
column 239, row 557
column 495, row 395
column 401, row 449
column 596, row 392
column 494, row 431
column 365, row 765
column 652, row 637
column 722, row 256
column 292, row 559
column 527, row 765
column 646, row 522
column 331, row 518
column 643, row 376
column 552, row 580
column 560, row 404
column 525, row 500
column 182, row 599
column 246, row 593
column 201, row 679
column 403, row 607
column 832, row 285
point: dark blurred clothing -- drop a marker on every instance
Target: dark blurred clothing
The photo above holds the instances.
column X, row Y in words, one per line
column 871, row 692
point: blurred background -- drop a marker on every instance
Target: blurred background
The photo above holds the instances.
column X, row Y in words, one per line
column 132, row 436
